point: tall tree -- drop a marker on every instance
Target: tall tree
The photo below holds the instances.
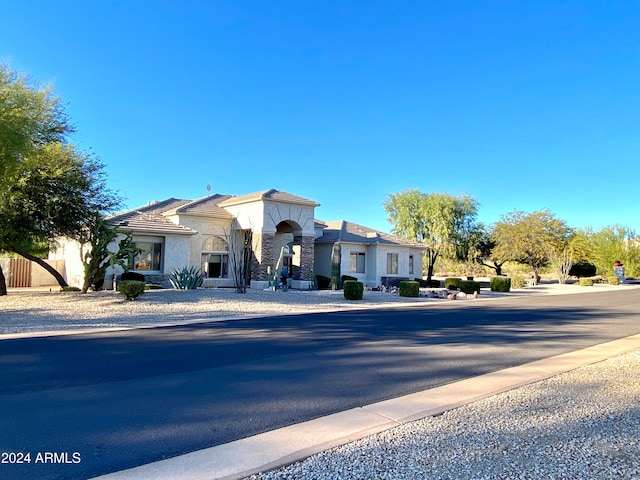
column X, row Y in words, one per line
column 51, row 189
column 529, row 238
column 439, row 220
column 30, row 117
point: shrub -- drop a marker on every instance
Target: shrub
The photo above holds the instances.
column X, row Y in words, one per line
column 187, row 278
column 517, row 281
column 75, row 289
column 353, row 290
column 138, row 277
column 426, row 284
column 586, row 282
column 452, row 283
column 131, row 289
column 469, row 286
column 323, row 282
column 614, row 281
column 500, row 284
column 583, row 269
column 409, row 289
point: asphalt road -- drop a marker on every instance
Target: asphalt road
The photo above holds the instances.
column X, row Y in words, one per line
column 85, row 405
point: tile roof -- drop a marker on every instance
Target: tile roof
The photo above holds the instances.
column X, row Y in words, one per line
column 343, row 231
column 204, row 206
column 149, row 218
column 272, row 194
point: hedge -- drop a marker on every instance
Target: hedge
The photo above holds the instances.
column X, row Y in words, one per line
column 582, row 269
column 409, row 289
column 469, row 286
column 353, row 290
column 500, row 284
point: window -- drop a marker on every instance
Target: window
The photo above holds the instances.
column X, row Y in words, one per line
column 410, row 264
column 392, row 263
column 356, row 262
column 215, row 257
column 149, row 257
column 216, row 265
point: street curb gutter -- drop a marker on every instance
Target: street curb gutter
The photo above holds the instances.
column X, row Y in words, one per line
column 269, row 450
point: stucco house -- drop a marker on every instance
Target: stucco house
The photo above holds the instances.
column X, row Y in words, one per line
column 373, row 257
column 285, row 235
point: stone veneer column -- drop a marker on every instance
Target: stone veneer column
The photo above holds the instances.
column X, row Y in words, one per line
column 307, row 244
column 264, row 244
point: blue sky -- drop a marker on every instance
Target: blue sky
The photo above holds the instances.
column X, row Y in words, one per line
column 523, row 105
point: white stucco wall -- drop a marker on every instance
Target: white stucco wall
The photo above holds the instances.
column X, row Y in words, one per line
column 69, row 251
column 177, row 252
column 248, row 215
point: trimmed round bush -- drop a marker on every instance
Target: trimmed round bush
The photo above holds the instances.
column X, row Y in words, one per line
column 452, row 283
column 131, row 289
column 500, row 284
column 409, row 289
column 586, row 282
column 469, row 286
column 353, row 290
column 583, row 269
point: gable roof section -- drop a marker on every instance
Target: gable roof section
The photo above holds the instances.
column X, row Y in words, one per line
column 149, row 219
column 273, row 195
column 207, row 206
column 348, row 232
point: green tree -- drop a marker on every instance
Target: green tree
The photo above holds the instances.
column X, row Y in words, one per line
column 440, row 221
column 51, row 189
column 529, row 238
column 484, row 247
column 615, row 242
column 30, row 117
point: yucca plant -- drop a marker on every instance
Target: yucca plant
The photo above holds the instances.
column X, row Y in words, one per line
column 187, row 278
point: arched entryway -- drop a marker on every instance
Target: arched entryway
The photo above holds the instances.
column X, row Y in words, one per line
column 287, row 249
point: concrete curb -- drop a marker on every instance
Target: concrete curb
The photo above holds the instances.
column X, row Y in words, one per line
column 286, row 445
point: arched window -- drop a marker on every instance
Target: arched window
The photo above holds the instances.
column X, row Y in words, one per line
column 215, row 257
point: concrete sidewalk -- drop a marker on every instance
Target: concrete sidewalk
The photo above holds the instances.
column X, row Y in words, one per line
column 279, row 447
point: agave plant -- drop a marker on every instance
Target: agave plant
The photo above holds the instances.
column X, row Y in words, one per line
column 187, row 278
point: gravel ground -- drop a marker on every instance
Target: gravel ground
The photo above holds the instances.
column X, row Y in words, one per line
column 37, row 310
column 584, row 424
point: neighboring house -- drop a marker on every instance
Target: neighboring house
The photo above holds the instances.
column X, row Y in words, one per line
column 372, row 257
column 174, row 233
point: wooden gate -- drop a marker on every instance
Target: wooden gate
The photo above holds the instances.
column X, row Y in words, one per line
column 20, row 273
